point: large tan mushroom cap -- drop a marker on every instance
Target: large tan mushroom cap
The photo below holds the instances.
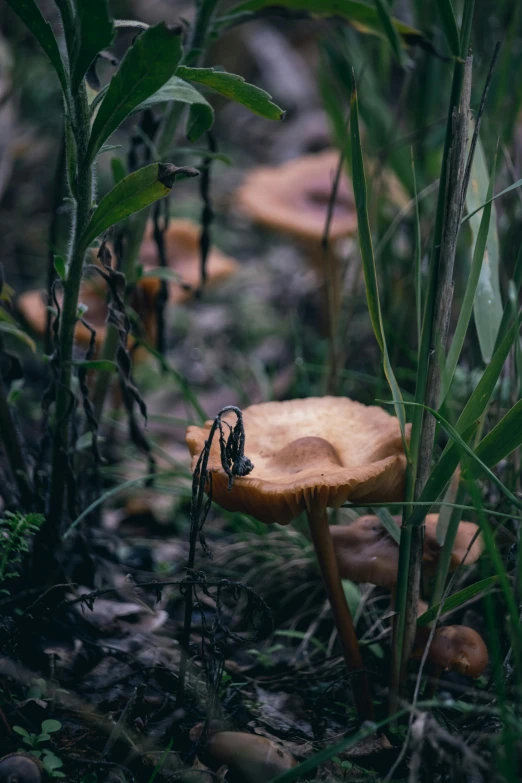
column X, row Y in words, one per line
column 366, row 552
column 183, row 256
column 293, row 197
column 454, row 648
column 309, row 455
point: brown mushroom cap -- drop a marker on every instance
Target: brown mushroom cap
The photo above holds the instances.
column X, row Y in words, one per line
column 93, row 293
column 454, row 648
column 294, row 197
column 183, row 256
column 367, row 553
column 308, row 455
column 256, row 759
column 20, row 768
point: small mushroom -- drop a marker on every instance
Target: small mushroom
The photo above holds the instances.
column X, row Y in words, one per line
column 182, row 249
column 183, row 256
column 20, row 768
column 93, row 294
column 366, row 552
column 309, row 455
column 250, row 757
column 454, row 648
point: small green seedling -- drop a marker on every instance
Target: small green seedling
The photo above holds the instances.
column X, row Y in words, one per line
column 36, row 744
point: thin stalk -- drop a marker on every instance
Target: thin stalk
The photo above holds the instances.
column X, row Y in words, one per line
column 13, row 448
column 410, row 552
column 325, row 552
column 138, row 223
column 81, row 216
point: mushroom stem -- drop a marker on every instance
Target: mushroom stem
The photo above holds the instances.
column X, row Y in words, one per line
column 325, row 552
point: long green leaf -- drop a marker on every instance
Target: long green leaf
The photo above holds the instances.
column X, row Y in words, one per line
column 362, row 15
column 514, row 186
column 469, row 296
column 236, row 89
column 32, row 17
column 466, row 424
column 134, row 192
column 504, row 438
column 94, row 32
column 475, row 459
column 510, row 307
column 147, row 65
column 498, row 565
column 368, row 260
column 488, row 302
column 456, row 600
column 201, row 113
column 14, row 331
column 390, row 31
column 449, row 25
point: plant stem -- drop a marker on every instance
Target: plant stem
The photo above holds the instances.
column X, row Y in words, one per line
column 325, row 552
column 443, row 300
column 81, row 216
column 13, row 449
column 138, row 222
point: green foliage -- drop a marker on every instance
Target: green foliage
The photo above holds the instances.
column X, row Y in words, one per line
column 133, row 193
column 36, row 743
column 32, row 17
column 470, row 294
column 449, row 25
column 368, row 260
column 200, row 115
column 147, row 65
column 94, row 32
column 488, row 302
column 236, row 89
column 362, row 16
column 385, row 17
column 16, row 530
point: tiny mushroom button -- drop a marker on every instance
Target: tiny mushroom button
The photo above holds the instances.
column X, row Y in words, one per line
column 454, row 648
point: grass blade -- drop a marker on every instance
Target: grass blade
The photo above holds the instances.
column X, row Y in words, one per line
column 466, row 424
column 368, row 260
column 390, row 31
column 504, row 438
column 488, row 303
column 449, row 25
column 515, row 185
column 456, row 600
column 479, row 255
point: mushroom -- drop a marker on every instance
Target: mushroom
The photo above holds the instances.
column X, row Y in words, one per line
column 182, row 248
column 20, row 768
column 183, row 255
column 454, row 648
column 93, row 294
column 250, row 757
column 293, row 198
column 366, row 552
column 309, row 455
